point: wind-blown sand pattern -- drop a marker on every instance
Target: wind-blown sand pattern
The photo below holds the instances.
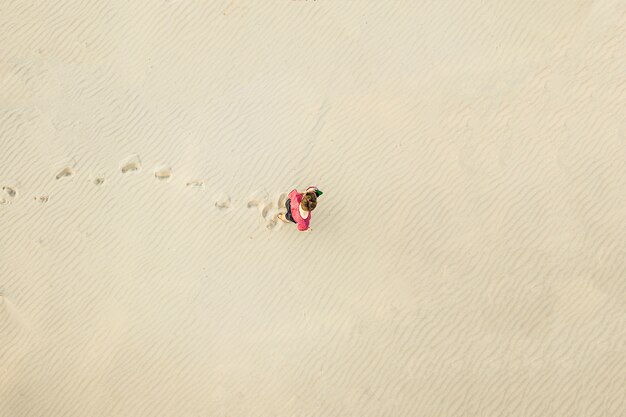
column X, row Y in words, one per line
column 468, row 256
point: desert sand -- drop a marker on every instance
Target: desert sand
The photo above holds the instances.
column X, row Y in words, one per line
column 467, row 258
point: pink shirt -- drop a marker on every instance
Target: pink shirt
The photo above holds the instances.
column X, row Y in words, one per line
column 296, row 199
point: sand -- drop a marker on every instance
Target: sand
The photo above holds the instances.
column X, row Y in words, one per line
column 467, row 258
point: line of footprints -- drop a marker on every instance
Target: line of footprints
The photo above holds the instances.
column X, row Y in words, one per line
column 268, row 207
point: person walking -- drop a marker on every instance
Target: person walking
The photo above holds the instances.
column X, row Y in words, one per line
column 299, row 207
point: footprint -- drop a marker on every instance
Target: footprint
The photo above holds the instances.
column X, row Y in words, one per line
column 163, row 173
column 42, row 198
column 272, row 221
column 258, row 199
column 65, row 172
column 265, row 210
column 98, row 180
column 223, row 202
column 271, row 224
column 253, row 203
column 130, row 164
column 12, row 192
column 282, row 198
column 4, row 201
column 196, row 183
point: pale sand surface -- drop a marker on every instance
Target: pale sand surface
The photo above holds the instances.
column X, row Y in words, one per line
column 468, row 257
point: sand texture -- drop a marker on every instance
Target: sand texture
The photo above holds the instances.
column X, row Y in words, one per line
column 467, row 258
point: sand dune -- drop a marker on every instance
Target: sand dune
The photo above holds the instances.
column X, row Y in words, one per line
column 468, row 256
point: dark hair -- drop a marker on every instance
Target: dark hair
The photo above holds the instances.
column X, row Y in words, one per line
column 309, row 201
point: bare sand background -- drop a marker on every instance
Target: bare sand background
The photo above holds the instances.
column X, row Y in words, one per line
column 468, row 257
